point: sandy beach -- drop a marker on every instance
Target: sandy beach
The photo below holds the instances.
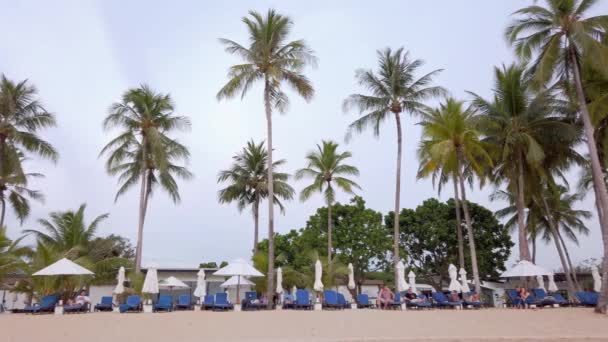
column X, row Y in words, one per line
column 350, row 325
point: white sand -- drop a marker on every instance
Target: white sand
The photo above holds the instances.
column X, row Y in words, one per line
column 564, row 324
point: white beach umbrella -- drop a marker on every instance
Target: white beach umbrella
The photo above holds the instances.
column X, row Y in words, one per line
column 454, row 284
column 235, row 281
column 279, row 289
column 524, row 268
column 63, row 267
column 120, row 280
column 294, row 289
column 541, row 282
column 463, row 280
column 201, row 285
column 151, row 281
column 597, row 279
column 552, row 285
column 239, row 268
column 412, row 277
column 318, row 285
column 173, row 282
column 401, row 283
column 351, row 277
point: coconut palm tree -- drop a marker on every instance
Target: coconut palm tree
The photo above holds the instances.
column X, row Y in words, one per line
column 393, row 89
column 14, row 191
column 248, row 183
column 559, row 38
column 143, row 151
column 520, row 124
column 450, row 138
column 272, row 59
column 329, row 173
column 11, row 255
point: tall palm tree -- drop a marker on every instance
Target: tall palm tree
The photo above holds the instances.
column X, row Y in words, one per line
column 11, row 255
column 559, row 38
column 270, row 58
column 143, row 151
column 520, row 123
column 329, row 173
column 394, row 89
column 450, row 138
column 248, row 183
column 14, row 190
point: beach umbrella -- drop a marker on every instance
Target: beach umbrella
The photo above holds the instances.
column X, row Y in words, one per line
column 541, row 282
column 412, row 277
column 401, row 283
column 552, row 285
column 120, row 280
column 151, row 281
column 464, row 281
column 239, row 268
column 454, row 284
column 524, row 268
column 201, row 285
column 351, row 277
column 63, row 267
column 294, row 289
column 318, row 285
column 279, row 289
column 235, row 281
column 597, row 279
column 173, row 282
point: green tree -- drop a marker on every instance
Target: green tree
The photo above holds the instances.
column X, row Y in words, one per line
column 273, row 59
column 394, row 89
column 328, row 171
column 14, row 191
column 11, row 255
column 451, row 139
column 558, row 39
column 248, row 183
column 143, row 151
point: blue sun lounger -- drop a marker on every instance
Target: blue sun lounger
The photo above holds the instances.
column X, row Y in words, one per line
column 560, row 299
column 342, row 301
column 471, row 304
column 105, row 304
column 587, row 298
column 441, row 300
column 76, row 308
column 222, row 303
column 513, row 297
column 423, row 303
column 208, row 302
column 330, row 300
column 133, row 304
column 184, row 302
column 541, row 297
column 46, row 305
column 164, row 304
column 396, row 304
column 303, row 300
column 363, row 301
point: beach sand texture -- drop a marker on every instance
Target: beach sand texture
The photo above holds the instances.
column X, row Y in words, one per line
column 564, row 324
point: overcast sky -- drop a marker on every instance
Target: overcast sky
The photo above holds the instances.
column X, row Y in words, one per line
column 82, row 55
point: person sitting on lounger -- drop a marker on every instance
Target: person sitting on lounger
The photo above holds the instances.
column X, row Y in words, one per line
column 411, row 297
column 470, row 297
column 523, row 294
column 454, row 296
column 82, row 298
column 385, row 297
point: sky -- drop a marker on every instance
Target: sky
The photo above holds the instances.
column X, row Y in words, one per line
column 82, row 55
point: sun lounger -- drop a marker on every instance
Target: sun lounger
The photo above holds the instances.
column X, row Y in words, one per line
column 441, row 301
column 513, row 297
column 587, row 298
column 471, row 304
column 251, row 302
column 423, row 302
column 184, row 302
column 342, row 301
column 330, row 300
column 363, row 301
column 208, row 302
column 46, row 305
column 164, row 304
column 541, row 297
column 76, row 308
column 303, row 300
column 396, row 304
column 222, row 303
column 105, row 304
column 133, row 304
column 560, row 299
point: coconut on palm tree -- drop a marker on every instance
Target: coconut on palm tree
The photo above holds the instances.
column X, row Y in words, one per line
column 328, row 171
column 273, row 60
column 144, row 151
column 248, row 183
column 393, row 90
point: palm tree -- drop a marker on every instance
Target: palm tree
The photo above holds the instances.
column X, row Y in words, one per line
column 275, row 61
column 248, row 183
column 14, row 190
column 394, row 89
column 143, row 151
column 519, row 124
column 328, row 171
column 11, row 255
column 450, row 138
column 561, row 39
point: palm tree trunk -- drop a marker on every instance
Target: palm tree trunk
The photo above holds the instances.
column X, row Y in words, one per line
column 524, row 251
column 329, row 242
column 397, row 196
column 458, row 224
column 140, row 226
column 3, row 203
column 534, row 249
column 572, row 269
column 596, row 171
column 256, row 219
column 270, row 276
column 467, row 220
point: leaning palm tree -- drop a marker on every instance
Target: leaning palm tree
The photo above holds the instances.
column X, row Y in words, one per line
column 328, row 171
column 520, row 124
column 559, row 38
column 394, row 89
column 248, row 183
column 143, row 151
column 272, row 59
column 450, row 138
column 14, row 191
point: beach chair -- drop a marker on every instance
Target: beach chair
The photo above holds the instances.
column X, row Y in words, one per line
column 541, row 297
column 303, row 300
column 441, row 301
column 396, row 304
column 208, row 302
column 560, row 299
column 342, row 301
column 221, row 302
column 363, row 301
column 587, row 298
column 105, row 304
column 330, row 300
column 164, row 304
column 471, row 304
column 76, row 308
column 184, row 302
column 289, row 301
column 513, row 297
column 251, row 302
column 133, row 304
column 424, row 302
column 46, row 305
